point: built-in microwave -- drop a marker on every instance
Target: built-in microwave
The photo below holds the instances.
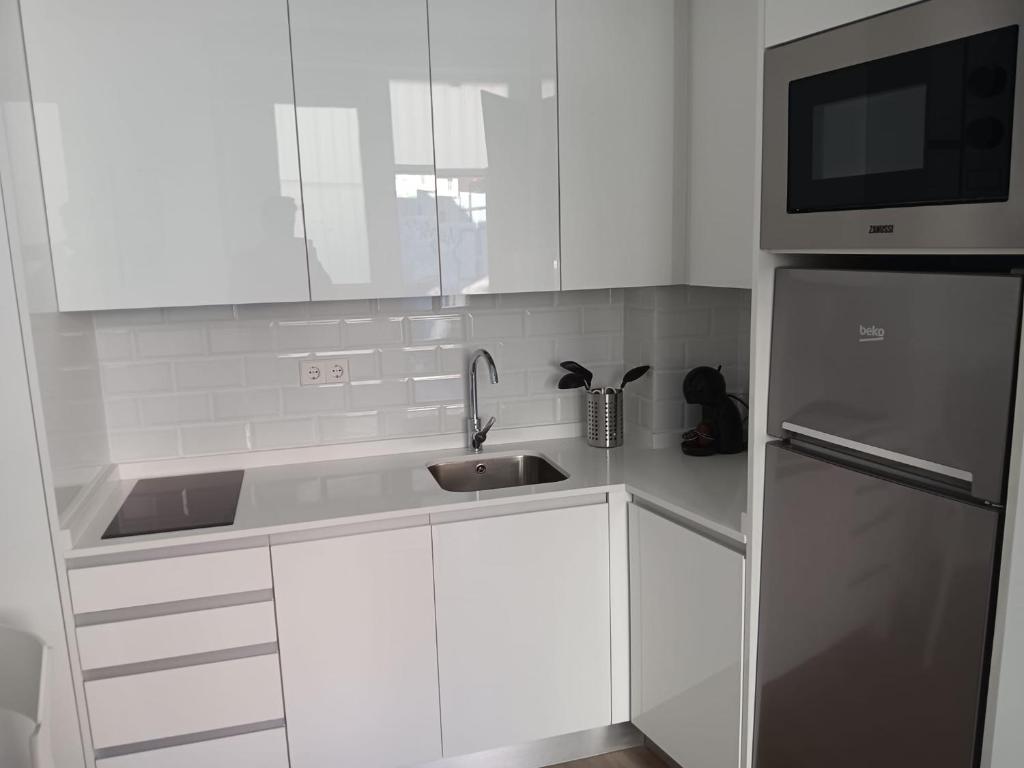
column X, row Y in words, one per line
column 898, row 132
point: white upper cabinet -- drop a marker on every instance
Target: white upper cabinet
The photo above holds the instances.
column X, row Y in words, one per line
column 167, row 141
column 617, row 142
column 493, row 76
column 787, row 20
column 721, row 168
column 362, row 86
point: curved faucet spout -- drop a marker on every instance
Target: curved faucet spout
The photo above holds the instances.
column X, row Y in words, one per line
column 477, row 433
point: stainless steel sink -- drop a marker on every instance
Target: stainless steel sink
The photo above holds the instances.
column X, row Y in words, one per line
column 485, row 473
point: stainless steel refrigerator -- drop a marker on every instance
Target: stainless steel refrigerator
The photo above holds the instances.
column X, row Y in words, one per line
column 892, row 398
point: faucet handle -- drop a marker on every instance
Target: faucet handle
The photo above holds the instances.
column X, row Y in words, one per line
column 480, row 435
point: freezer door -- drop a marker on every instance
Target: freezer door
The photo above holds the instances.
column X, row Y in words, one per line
column 874, row 619
column 917, row 368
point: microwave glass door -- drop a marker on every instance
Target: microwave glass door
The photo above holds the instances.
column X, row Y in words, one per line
column 927, row 127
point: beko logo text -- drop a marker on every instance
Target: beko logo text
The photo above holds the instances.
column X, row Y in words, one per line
column 881, row 229
column 872, row 333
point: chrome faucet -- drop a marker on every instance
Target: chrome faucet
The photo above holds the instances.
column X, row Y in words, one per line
column 477, row 433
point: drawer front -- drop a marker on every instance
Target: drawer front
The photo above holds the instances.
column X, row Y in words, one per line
column 177, row 702
column 180, row 634
column 148, row 582
column 264, row 749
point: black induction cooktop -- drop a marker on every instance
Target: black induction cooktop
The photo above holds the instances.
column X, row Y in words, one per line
column 184, row 503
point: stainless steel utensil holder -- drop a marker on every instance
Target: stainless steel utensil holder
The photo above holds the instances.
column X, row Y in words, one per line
column 604, row 417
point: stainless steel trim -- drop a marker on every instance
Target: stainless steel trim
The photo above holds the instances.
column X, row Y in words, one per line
column 736, row 546
column 190, row 738
column 166, row 550
column 171, row 608
column 177, row 662
column 552, row 751
column 934, row 228
column 881, row 453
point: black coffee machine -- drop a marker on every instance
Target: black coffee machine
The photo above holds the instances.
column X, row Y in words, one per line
column 721, row 428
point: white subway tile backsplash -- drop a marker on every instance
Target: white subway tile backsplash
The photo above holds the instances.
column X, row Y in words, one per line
column 437, row 328
column 271, row 370
column 211, row 373
column 231, row 338
column 407, row 361
column 603, row 319
column 217, row 438
column 170, row 342
column 369, row 395
column 233, row 404
column 114, row 344
column 136, row 378
column 303, row 400
column 122, row 414
column 402, row 422
column 283, row 433
column 301, row 334
column 370, row 332
column 496, row 325
column 137, row 445
column 554, row 322
column 438, row 389
column 536, row 410
column 363, row 364
column 174, row 409
column 350, row 427
column 676, row 329
column 196, row 381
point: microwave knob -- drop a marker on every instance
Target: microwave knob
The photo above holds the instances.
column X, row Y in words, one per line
column 985, row 133
column 988, row 81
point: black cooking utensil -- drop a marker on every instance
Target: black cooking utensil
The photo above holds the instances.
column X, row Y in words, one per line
column 579, row 370
column 572, row 381
column 633, row 374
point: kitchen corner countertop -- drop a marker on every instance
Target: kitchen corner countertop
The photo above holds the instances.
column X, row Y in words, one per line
column 707, row 492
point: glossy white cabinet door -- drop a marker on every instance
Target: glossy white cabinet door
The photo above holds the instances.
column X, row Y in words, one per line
column 167, row 140
column 362, row 88
column 358, row 655
column 523, row 625
column 686, row 615
column 787, row 20
column 493, row 77
column 721, row 170
column 617, row 142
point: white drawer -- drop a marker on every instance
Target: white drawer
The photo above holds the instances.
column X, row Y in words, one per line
column 264, row 749
column 126, row 585
column 180, row 634
column 176, row 702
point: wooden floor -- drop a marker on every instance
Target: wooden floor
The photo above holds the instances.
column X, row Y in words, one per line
column 629, row 758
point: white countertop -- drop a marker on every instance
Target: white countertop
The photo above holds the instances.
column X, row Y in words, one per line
column 709, row 492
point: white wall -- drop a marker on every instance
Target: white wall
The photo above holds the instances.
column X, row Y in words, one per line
column 51, row 416
column 29, row 598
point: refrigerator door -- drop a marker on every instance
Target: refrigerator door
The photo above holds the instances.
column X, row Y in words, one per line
column 874, row 620
column 912, row 367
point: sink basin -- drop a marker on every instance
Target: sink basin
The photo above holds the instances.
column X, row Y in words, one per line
column 485, row 473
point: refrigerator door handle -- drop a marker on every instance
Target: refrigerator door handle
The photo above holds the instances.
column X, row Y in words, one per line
column 880, row 453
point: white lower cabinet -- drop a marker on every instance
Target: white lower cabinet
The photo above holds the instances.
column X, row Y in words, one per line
column 263, row 749
column 134, row 709
column 686, row 615
column 358, row 654
column 522, row 627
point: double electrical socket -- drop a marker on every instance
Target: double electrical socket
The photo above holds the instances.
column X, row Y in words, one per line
column 315, row 371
